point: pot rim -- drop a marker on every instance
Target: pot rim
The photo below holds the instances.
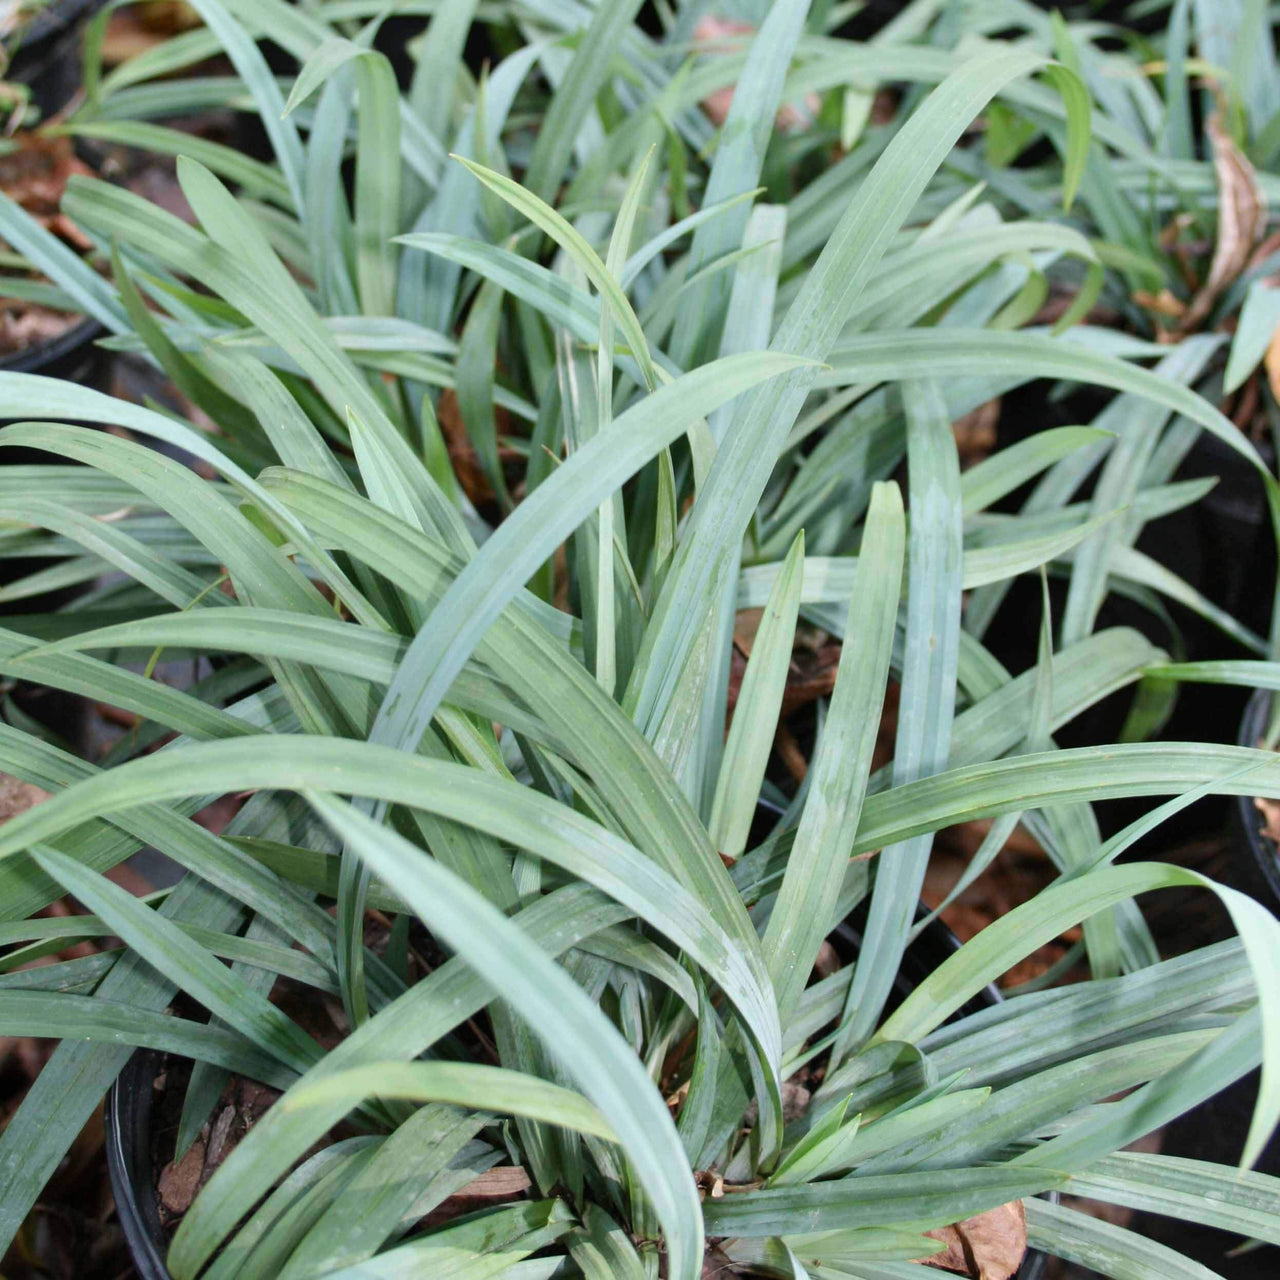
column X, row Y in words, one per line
column 1262, row 851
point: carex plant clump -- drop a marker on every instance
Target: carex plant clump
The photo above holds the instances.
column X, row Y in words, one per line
column 529, row 399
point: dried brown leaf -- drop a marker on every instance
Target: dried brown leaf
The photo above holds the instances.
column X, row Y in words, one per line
column 1242, row 216
column 989, row 1246
column 507, row 1182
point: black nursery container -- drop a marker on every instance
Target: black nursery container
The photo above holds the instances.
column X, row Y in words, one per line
column 72, row 356
column 131, row 1166
column 47, row 62
column 1216, row 1130
column 129, row 1163
column 47, row 59
column 1255, row 860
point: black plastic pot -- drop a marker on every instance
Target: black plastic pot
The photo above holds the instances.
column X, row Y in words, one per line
column 1216, row 1130
column 1232, row 526
column 47, row 60
column 73, row 357
column 1256, row 861
column 129, row 1164
column 131, row 1167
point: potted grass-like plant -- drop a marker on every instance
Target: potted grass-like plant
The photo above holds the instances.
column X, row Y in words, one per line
column 572, row 1011
column 1183, row 213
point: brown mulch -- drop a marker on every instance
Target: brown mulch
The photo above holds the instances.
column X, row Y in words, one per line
column 34, row 174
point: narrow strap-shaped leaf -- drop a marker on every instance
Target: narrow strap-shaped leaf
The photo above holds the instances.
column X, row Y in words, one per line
column 1044, row 917
column 557, row 690
column 1229, row 1199
column 699, row 1104
column 1118, row 484
column 464, row 794
column 170, row 581
column 72, row 1082
column 573, row 243
column 930, row 1199
column 70, row 1017
column 239, row 264
column 431, row 297
column 1176, row 138
column 1250, row 674
column 477, row 359
column 815, row 870
column 603, row 1250
column 462, row 1084
column 523, row 542
column 1091, row 1242
column 187, row 377
column 293, row 435
column 1015, row 1113
column 253, row 176
column 252, row 67
column 746, row 753
column 945, row 352
column 418, row 1158
column 258, row 570
column 1259, row 319
column 576, row 95
column 985, row 483
column 927, row 703
column 207, row 1083
column 62, row 264
column 175, row 954
column 330, row 236
column 377, row 196
column 431, row 92
column 200, row 507
column 611, row 516
column 490, row 1243
column 738, row 163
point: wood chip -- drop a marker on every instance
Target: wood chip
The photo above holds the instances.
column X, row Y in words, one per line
column 795, row 1101
column 180, row 1181
column 1165, row 303
column 730, row 34
column 975, row 433
column 1270, row 810
column 828, row 960
column 218, row 1138
column 990, row 1246
column 17, row 796
column 1271, row 363
column 788, row 749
